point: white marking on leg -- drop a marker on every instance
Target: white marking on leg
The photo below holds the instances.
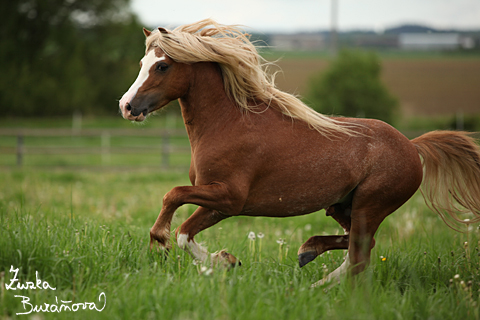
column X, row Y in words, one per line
column 182, row 240
column 197, row 251
column 335, row 274
column 147, row 62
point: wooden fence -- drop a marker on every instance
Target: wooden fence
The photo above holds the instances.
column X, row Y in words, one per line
column 164, row 148
column 105, row 149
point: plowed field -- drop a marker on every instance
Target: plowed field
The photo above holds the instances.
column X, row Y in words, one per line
column 439, row 86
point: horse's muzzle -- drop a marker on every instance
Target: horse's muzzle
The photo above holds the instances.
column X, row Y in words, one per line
column 136, row 112
column 133, row 114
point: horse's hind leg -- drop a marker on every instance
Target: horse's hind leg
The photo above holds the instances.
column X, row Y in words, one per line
column 317, row 245
column 201, row 219
column 373, row 201
column 360, row 243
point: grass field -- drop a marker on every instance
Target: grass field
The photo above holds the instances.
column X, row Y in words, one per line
column 87, row 232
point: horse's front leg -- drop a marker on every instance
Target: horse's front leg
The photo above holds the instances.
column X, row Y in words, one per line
column 160, row 231
column 215, row 197
column 201, row 219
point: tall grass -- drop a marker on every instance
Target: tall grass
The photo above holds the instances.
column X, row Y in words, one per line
column 87, row 233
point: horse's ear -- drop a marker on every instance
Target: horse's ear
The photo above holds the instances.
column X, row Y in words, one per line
column 146, row 32
column 163, row 30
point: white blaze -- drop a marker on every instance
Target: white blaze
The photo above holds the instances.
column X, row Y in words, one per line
column 147, row 62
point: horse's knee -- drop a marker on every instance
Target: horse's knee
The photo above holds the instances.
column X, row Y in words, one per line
column 173, row 198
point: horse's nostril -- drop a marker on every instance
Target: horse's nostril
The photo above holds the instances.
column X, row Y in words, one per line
column 129, row 107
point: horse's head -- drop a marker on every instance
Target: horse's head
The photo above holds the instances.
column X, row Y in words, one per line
column 159, row 81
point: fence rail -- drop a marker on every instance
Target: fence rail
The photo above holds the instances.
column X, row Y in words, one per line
column 91, row 132
column 164, row 149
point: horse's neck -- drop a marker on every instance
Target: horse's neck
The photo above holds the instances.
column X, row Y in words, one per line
column 206, row 107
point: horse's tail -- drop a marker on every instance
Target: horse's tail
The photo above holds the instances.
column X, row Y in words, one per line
column 451, row 184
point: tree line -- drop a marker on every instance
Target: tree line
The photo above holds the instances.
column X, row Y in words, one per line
column 59, row 57
column 63, row 56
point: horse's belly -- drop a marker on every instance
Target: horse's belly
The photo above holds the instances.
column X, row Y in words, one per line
column 312, row 182
column 281, row 209
column 295, row 200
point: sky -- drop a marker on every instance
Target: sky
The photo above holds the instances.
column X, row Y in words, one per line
column 288, row 16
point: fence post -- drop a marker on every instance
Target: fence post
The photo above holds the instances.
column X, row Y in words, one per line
column 20, row 150
column 165, row 150
column 76, row 122
column 105, row 147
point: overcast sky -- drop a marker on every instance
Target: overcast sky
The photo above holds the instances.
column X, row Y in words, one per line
column 311, row 15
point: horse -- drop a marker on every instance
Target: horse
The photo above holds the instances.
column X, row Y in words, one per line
column 259, row 151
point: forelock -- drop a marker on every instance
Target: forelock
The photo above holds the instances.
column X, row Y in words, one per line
column 153, row 40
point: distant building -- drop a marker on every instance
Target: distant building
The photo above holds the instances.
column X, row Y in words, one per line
column 434, row 41
column 297, row 42
column 372, row 41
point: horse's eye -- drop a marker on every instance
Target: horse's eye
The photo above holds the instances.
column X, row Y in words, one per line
column 162, row 66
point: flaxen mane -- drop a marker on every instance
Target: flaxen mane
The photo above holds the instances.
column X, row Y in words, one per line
column 245, row 79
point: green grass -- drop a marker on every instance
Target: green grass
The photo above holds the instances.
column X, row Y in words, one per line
column 87, row 232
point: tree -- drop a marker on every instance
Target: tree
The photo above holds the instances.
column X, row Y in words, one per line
column 352, row 87
column 58, row 56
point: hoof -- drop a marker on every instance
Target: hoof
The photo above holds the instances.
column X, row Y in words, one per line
column 164, row 252
column 159, row 247
column 225, row 259
column 306, row 257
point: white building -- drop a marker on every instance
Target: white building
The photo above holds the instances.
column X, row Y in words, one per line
column 434, row 41
column 297, row 42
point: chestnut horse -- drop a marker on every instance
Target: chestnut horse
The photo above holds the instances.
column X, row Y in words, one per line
column 258, row 151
